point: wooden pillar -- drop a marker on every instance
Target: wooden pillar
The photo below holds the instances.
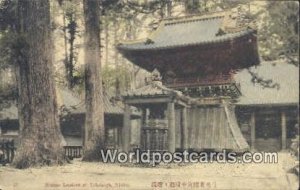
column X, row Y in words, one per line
column 148, row 140
column 184, row 131
column 252, row 132
column 171, row 127
column 147, row 113
column 283, row 130
column 144, row 117
column 116, row 137
column 120, row 129
column 126, row 132
column 142, row 131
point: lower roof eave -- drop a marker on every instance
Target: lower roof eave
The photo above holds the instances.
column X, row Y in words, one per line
column 267, row 104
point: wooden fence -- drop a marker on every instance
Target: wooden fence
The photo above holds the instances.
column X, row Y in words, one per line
column 73, row 151
column 7, row 151
column 154, row 138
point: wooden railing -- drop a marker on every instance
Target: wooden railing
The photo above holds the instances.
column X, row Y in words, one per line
column 73, row 151
column 154, row 138
column 197, row 81
column 7, row 151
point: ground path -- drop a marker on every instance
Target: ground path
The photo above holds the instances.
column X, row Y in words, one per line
column 99, row 176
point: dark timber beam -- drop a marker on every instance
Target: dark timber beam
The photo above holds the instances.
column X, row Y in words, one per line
column 126, row 133
column 171, row 127
column 283, row 130
column 184, row 137
column 143, row 124
column 138, row 101
column 252, row 132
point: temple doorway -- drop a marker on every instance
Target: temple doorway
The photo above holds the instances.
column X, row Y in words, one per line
column 268, row 132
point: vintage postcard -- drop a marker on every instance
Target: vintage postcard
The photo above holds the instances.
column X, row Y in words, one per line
column 149, row 95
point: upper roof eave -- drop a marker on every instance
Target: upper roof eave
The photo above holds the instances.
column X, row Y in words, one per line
column 130, row 44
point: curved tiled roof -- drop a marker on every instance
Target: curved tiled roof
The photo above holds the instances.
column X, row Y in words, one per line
column 111, row 107
column 71, row 102
column 152, row 89
column 187, row 31
column 155, row 89
column 9, row 112
column 281, row 73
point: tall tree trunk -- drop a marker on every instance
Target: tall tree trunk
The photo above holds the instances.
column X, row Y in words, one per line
column 106, row 28
column 116, row 28
column 94, row 133
column 169, row 8
column 40, row 136
column 71, row 61
column 192, row 6
column 165, row 8
column 66, row 61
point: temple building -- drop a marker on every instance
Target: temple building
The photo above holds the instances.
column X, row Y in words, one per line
column 72, row 117
column 199, row 59
column 268, row 117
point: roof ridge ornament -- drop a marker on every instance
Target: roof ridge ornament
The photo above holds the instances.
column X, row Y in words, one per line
column 149, row 41
column 155, row 76
column 154, row 79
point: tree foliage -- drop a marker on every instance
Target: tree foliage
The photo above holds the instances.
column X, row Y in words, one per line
column 279, row 35
column 71, row 15
column 111, row 74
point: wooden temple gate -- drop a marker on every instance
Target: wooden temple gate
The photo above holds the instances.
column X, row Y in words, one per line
column 154, row 133
column 158, row 105
column 172, row 121
column 197, row 56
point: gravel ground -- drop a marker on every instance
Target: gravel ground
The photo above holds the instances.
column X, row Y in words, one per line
column 98, row 176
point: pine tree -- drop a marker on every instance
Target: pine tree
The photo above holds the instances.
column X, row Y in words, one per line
column 40, row 136
column 94, row 132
